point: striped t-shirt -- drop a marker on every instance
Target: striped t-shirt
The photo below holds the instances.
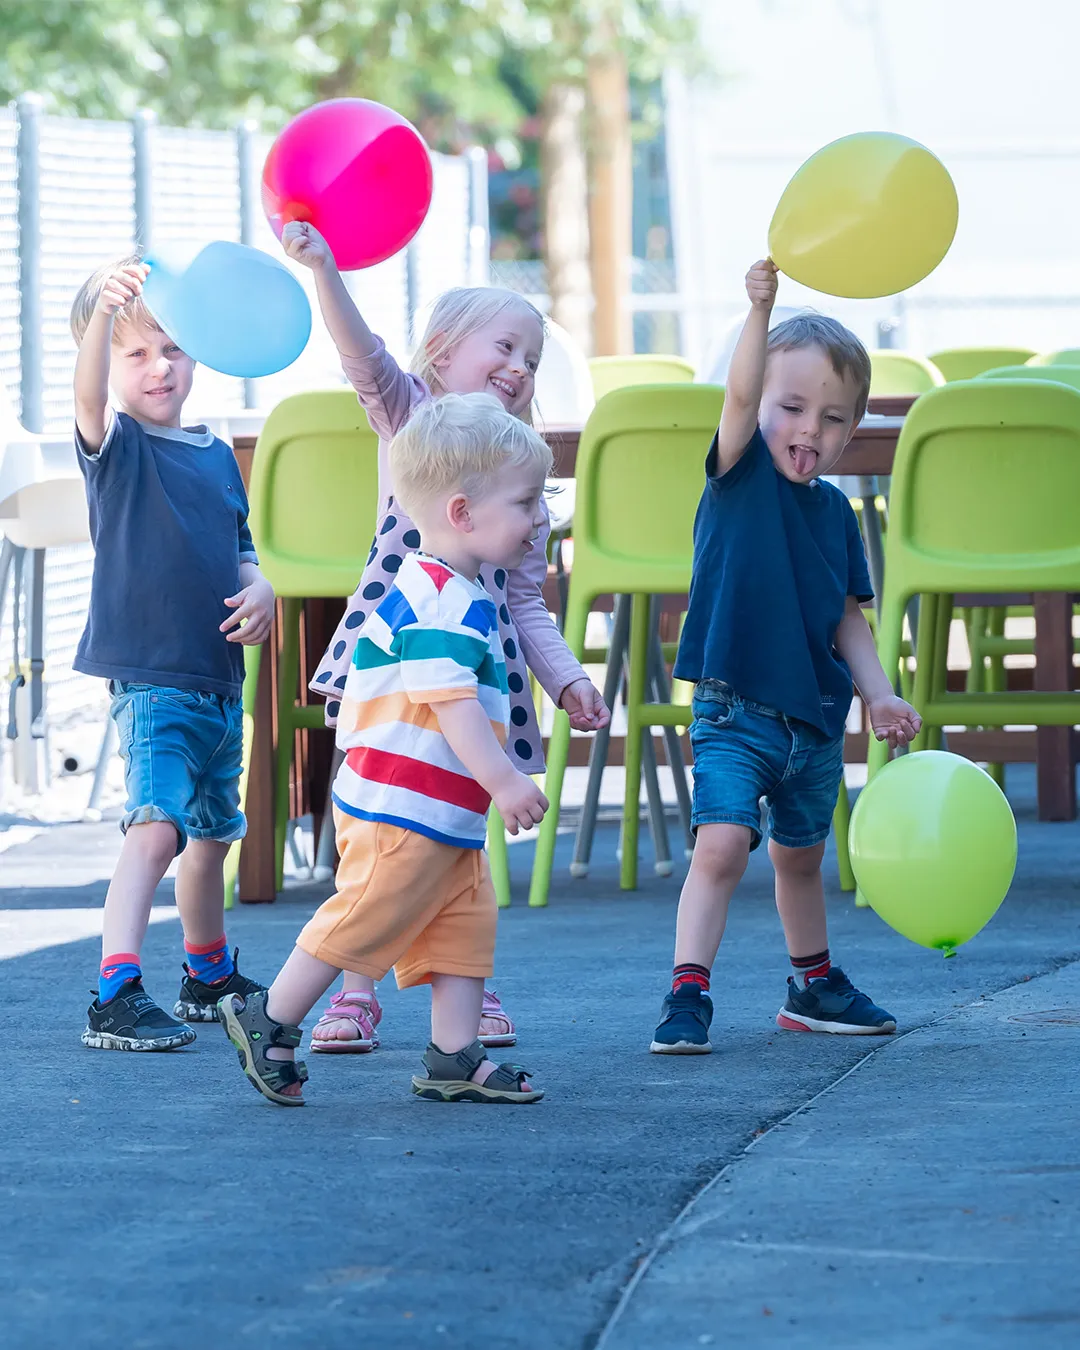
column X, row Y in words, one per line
column 434, row 637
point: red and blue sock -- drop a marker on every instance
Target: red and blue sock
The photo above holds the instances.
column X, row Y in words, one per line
column 688, row 973
column 210, row 963
column 809, row 968
column 115, row 971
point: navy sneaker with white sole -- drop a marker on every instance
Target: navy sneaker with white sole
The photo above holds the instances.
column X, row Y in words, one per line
column 684, row 1023
column 133, row 1021
column 833, row 1004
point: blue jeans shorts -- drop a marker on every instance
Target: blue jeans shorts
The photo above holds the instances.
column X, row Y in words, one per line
column 183, row 752
column 744, row 751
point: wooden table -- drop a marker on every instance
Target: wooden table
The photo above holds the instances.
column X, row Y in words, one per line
column 870, row 453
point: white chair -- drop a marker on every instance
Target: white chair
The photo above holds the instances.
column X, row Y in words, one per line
column 42, row 505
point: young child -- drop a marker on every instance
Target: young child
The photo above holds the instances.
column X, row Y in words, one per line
column 423, row 720
column 773, row 636
column 173, row 556
column 479, row 340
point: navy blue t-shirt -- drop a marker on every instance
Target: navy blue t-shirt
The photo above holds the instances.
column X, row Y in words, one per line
column 774, row 563
column 168, row 520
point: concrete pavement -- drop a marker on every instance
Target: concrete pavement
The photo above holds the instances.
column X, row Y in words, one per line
column 153, row 1201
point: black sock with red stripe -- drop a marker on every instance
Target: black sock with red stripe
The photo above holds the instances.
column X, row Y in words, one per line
column 809, row 968
column 690, row 974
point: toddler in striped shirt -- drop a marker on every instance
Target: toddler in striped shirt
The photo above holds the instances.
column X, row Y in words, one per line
column 423, row 727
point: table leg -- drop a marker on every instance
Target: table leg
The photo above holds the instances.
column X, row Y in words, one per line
column 1054, row 672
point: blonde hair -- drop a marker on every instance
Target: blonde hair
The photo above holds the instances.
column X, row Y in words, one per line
column 456, row 443
column 89, row 293
column 846, row 353
column 458, row 313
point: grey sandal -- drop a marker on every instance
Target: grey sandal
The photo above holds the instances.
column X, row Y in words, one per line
column 449, row 1079
column 253, row 1032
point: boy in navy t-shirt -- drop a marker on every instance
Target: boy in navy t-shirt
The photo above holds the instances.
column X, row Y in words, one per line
column 773, row 637
column 176, row 589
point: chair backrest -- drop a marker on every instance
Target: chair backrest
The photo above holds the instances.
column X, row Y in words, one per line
column 564, row 393
column 314, row 494
column 640, row 474
column 1069, row 375
column 902, row 373
column 984, row 490
column 965, row 363
column 1069, row 356
column 618, row 372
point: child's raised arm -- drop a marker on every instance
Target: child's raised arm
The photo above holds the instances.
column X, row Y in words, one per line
column 746, row 374
column 304, row 244
column 95, row 351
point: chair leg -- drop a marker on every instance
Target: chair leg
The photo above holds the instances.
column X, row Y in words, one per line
column 841, row 821
column 996, row 680
column 288, row 674
column 498, row 858
column 598, row 751
column 558, row 753
column 252, row 661
column 635, row 733
column 924, row 665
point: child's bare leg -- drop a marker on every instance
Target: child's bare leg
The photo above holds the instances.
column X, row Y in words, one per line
column 147, row 851
column 456, row 1003
column 800, row 897
column 720, row 857
column 200, row 890
column 301, row 982
column 357, row 984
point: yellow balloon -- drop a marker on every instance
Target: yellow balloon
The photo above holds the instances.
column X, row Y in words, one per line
column 868, row 215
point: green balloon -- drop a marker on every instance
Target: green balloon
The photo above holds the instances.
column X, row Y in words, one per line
column 933, row 847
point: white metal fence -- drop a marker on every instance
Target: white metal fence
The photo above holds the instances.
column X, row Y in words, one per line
column 75, row 193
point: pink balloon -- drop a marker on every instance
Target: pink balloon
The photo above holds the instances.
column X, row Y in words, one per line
column 358, row 171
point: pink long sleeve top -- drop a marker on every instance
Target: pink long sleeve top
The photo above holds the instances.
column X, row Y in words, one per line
column 530, row 638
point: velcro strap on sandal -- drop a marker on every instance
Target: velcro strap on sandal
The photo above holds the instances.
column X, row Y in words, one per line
column 458, row 1067
column 284, row 1035
column 509, row 1076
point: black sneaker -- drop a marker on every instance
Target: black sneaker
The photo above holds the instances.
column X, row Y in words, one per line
column 684, row 1023
column 832, row 1003
column 133, row 1021
column 197, row 1002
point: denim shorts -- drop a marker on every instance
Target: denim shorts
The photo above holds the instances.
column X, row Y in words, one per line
column 183, row 752
column 744, row 751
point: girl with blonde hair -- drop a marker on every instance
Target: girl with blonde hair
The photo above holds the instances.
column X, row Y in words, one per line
column 480, row 339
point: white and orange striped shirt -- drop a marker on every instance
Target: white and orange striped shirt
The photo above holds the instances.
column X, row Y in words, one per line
column 434, row 637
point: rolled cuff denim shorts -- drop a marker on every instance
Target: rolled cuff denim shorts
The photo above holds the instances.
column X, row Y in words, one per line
column 183, row 752
column 744, row 751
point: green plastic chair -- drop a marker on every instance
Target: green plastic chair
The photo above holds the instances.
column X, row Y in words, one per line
column 965, row 363
column 314, row 503
column 1010, row 451
column 1069, row 356
column 619, row 372
column 638, row 481
column 902, row 373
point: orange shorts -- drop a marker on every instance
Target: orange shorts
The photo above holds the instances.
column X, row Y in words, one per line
column 406, row 901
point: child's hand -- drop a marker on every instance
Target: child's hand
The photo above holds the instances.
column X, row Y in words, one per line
column 255, row 603
column 520, row 803
column 123, row 285
column 894, row 721
column 587, row 709
column 761, row 284
column 304, row 244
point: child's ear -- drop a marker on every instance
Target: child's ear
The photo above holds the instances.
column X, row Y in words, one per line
column 458, row 514
column 434, row 342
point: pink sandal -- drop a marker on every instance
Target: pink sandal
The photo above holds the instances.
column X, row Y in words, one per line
column 348, row 1025
column 495, row 1027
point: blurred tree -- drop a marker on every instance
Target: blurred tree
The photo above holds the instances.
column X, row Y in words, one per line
column 462, row 70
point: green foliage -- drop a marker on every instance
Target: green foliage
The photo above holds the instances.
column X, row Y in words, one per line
column 461, row 69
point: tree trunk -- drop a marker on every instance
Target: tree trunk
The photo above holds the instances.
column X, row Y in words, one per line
column 611, row 198
column 564, row 183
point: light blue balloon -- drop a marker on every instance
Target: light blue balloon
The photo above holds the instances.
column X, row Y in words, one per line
column 232, row 308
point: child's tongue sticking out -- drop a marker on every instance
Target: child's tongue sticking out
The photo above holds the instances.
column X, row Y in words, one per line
column 804, row 459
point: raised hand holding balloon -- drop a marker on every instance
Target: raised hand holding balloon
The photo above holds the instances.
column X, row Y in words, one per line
column 232, row 308
column 357, row 171
column 866, row 216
